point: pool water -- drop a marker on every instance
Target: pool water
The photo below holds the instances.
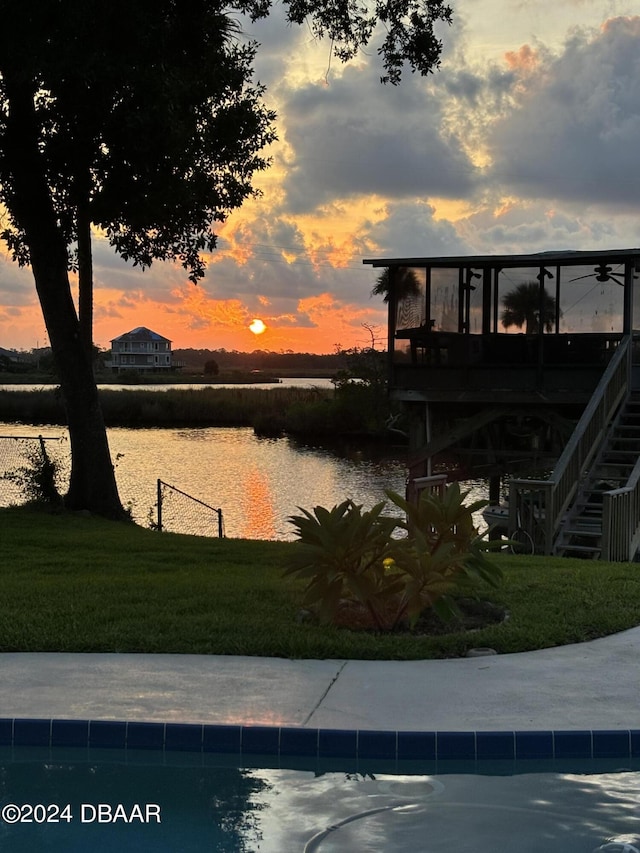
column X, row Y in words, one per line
column 112, row 801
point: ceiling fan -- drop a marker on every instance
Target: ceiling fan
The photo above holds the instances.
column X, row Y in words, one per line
column 602, row 273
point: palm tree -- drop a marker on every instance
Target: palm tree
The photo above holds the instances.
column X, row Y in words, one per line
column 522, row 308
column 406, row 283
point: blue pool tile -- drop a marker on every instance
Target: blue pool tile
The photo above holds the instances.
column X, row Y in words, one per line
column 70, row 733
column 333, row 743
column 460, row 745
column 264, row 740
column 183, row 737
column 109, row 734
column 417, row 745
column 145, row 735
column 6, row 732
column 534, row 745
column 222, row 739
column 295, row 741
column 374, row 744
column 31, row 732
column 490, row 745
column 572, row 744
column 611, row 744
column 635, row 743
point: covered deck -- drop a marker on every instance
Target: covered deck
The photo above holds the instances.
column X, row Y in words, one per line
column 513, row 327
column 526, row 366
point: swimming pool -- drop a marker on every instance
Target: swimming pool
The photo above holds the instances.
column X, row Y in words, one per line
column 145, row 803
column 155, row 787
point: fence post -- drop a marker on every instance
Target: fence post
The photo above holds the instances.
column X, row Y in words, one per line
column 159, row 493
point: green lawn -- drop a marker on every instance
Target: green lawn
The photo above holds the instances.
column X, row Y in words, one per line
column 79, row 584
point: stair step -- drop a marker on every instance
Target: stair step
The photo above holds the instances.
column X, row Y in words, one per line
column 583, row 532
column 617, row 466
column 581, row 549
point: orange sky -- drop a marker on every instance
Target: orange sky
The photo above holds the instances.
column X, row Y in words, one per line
column 524, row 141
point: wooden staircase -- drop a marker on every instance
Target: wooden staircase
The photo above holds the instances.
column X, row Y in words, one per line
column 581, row 532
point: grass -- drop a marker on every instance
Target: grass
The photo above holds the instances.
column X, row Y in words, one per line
column 76, row 584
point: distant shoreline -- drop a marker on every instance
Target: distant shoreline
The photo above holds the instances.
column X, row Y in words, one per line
column 232, row 377
column 305, row 412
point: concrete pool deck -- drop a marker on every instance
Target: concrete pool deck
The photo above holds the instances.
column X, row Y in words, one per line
column 589, row 685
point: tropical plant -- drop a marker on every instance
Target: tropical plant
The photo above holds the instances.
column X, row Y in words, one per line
column 350, row 556
column 443, row 556
column 522, row 308
column 341, row 554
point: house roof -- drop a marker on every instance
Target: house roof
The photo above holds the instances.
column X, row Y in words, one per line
column 559, row 257
column 141, row 333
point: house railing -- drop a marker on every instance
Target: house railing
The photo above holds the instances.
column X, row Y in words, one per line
column 621, row 520
column 539, row 505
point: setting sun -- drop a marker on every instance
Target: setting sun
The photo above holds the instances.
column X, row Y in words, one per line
column 257, row 327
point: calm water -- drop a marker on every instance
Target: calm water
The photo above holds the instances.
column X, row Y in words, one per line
column 242, row 810
column 257, row 482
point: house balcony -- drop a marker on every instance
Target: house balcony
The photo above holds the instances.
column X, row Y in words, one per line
column 502, row 368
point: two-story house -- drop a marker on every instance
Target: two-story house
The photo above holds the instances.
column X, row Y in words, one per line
column 141, row 350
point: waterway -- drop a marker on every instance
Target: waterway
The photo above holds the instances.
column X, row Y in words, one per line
column 292, row 382
column 256, row 482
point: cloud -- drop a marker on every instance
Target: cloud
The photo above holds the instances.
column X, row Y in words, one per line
column 355, row 137
column 411, row 230
column 17, row 286
column 573, row 129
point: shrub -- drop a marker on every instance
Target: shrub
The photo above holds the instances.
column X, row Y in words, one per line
column 37, row 479
column 443, row 556
column 349, row 557
column 341, row 552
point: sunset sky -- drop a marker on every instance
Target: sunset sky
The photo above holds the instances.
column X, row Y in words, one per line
column 527, row 139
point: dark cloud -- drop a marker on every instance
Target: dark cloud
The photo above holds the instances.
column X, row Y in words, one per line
column 410, row 230
column 355, row 137
column 17, row 287
column 574, row 129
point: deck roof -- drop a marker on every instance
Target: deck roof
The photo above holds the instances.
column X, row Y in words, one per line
column 567, row 257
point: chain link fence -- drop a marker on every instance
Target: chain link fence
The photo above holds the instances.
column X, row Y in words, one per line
column 177, row 510
column 28, row 464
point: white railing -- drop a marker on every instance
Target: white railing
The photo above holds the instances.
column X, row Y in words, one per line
column 539, row 505
column 621, row 520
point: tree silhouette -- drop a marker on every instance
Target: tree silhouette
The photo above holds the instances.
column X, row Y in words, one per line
column 522, row 308
column 406, row 284
column 140, row 118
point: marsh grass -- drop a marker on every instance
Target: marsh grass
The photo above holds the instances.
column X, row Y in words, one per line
column 77, row 584
column 191, row 407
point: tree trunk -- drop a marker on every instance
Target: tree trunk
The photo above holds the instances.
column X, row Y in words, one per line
column 92, row 486
column 85, row 275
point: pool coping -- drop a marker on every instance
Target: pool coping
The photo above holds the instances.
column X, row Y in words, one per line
column 288, row 742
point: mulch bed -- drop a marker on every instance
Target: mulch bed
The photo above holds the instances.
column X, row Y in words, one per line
column 474, row 614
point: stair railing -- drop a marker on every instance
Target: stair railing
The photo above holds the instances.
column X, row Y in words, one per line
column 539, row 505
column 621, row 520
